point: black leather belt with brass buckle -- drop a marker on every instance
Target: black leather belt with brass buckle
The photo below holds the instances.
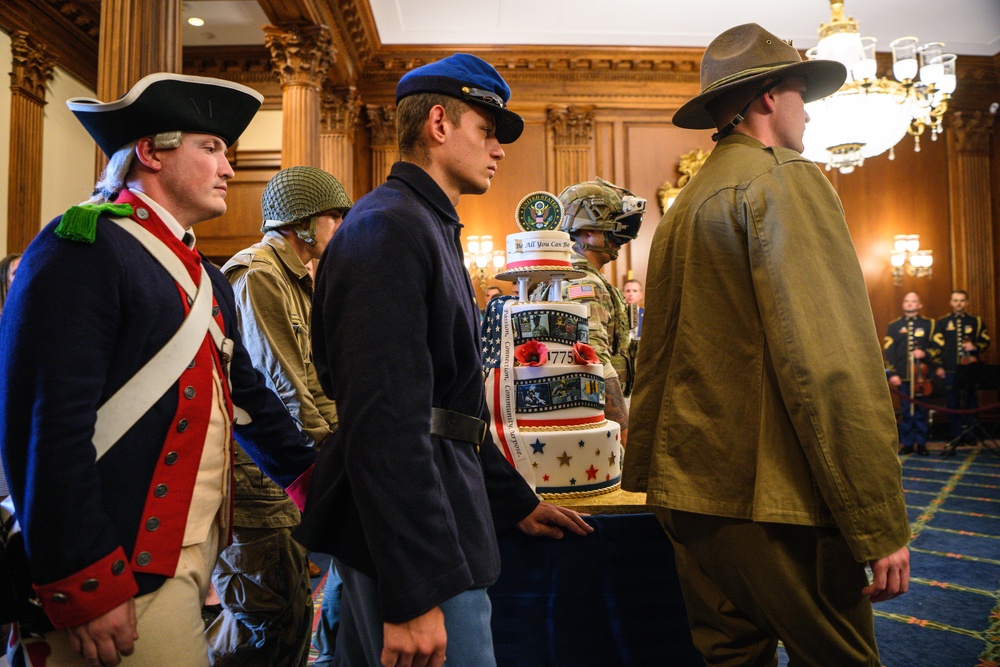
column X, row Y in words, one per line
column 456, row 426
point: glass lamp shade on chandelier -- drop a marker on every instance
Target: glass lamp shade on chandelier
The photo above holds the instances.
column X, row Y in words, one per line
column 869, row 115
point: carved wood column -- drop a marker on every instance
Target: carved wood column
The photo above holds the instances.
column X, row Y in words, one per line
column 572, row 131
column 32, row 69
column 138, row 37
column 385, row 148
column 339, row 117
column 301, row 57
column 972, row 241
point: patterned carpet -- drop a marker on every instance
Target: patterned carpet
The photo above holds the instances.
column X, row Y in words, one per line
column 951, row 615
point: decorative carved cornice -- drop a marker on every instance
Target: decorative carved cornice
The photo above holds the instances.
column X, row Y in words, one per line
column 541, row 63
column 572, row 125
column 300, row 55
column 86, row 16
column 32, row 66
column 382, row 123
column 971, row 131
column 356, row 27
column 340, row 111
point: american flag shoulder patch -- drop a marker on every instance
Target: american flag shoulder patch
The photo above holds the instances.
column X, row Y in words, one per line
column 581, row 291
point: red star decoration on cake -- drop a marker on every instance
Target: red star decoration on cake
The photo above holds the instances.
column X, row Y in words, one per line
column 608, row 478
column 564, row 459
column 616, row 436
column 545, row 478
column 591, row 472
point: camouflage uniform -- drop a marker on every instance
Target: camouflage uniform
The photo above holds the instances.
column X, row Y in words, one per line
column 609, row 322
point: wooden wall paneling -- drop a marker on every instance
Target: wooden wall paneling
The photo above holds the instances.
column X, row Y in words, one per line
column 969, row 139
column 907, row 195
column 521, row 171
column 222, row 237
column 651, row 153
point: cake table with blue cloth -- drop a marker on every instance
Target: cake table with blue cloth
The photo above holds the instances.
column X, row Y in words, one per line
column 609, row 599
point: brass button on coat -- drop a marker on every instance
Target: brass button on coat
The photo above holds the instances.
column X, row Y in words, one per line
column 152, row 523
column 189, row 392
column 171, row 458
column 160, row 490
column 60, row 598
column 117, row 567
column 89, row 585
column 143, row 558
column 182, row 425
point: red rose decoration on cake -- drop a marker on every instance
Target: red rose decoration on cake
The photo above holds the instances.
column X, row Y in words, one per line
column 531, row 353
column 584, row 354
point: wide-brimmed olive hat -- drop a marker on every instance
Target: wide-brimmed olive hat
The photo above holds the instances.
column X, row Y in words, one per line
column 749, row 53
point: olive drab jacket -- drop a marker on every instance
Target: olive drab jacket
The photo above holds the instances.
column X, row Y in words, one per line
column 760, row 391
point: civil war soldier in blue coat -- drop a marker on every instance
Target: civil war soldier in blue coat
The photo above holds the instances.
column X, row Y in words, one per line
column 120, row 338
column 420, row 489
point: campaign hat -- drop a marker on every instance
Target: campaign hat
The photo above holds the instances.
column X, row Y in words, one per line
column 748, row 53
column 166, row 102
column 470, row 79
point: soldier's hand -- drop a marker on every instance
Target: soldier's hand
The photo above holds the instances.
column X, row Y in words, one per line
column 890, row 576
column 102, row 641
column 548, row 520
column 895, row 381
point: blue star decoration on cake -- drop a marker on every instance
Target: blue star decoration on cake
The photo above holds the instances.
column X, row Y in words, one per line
column 491, row 331
column 537, row 446
column 582, row 443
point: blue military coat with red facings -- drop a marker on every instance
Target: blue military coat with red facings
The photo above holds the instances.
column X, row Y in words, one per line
column 82, row 319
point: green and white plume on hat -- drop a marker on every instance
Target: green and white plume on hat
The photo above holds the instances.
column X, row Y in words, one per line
column 748, row 53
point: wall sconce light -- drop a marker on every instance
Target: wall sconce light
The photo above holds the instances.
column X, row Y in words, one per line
column 688, row 165
column 482, row 260
column 908, row 258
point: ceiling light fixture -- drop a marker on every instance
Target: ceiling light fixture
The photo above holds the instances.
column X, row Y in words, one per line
column 196, row 22
column 870, row 115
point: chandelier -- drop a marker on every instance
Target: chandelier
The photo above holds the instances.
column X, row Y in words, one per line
column 482, row 260
column 870, row 115
column 907, row 257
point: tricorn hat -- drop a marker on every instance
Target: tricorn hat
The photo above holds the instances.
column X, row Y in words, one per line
column 749, row 53
column 471, row 80
column 165, row 102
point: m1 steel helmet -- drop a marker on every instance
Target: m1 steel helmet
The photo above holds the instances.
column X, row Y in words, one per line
column 603, row 206
column 298, row 194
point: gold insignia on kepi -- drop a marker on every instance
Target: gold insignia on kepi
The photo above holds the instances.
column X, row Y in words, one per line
column 539, row 211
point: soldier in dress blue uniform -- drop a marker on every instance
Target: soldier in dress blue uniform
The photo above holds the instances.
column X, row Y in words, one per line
column 959, row 340
column 121, row 545
column 907, row 346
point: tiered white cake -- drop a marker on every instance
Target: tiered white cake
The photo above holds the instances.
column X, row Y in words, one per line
column 546, row 389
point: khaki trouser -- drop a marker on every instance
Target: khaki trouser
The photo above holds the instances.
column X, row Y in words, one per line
column 263, row 582
column 746, row 585
column 171, row 630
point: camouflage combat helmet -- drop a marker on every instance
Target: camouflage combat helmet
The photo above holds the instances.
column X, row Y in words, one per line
column 604, row 206
column 298, row 194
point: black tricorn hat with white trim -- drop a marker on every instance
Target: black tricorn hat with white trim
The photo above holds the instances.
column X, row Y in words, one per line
column 165, row 102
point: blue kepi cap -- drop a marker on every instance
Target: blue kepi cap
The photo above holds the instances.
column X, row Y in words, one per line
column 471, row 80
